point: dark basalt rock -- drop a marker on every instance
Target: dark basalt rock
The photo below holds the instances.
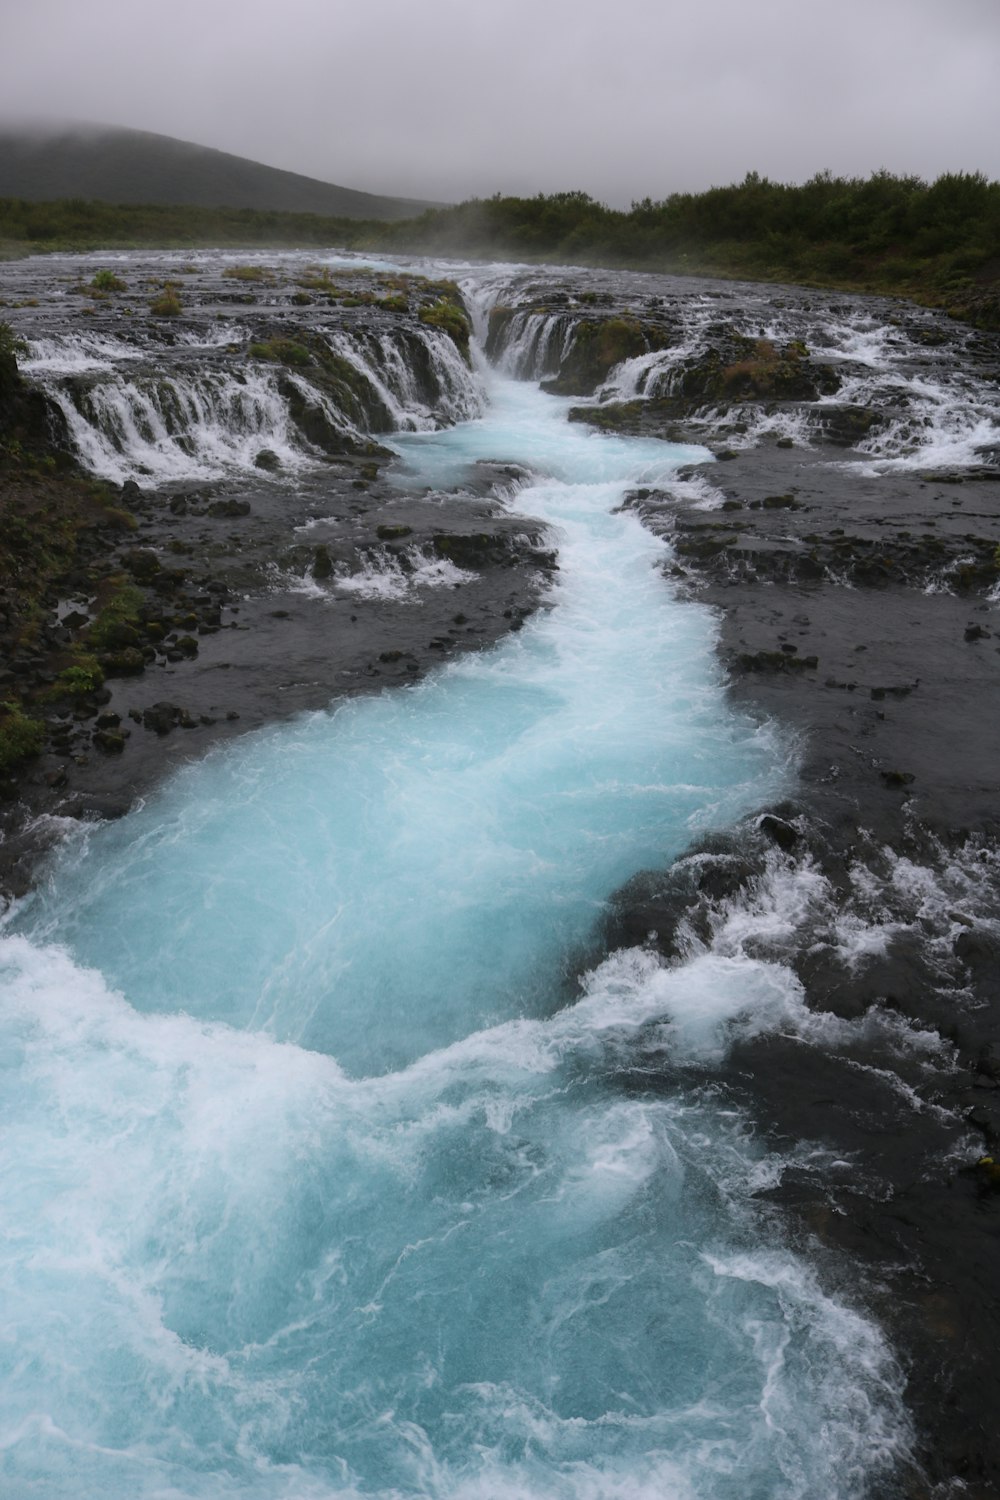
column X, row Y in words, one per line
column 128, row 662
column 221, row 509
column 161, row 717
column 599, row 345
column 774, row 662
column 655, row 906
column 847, row 425
column 779, row 831
column 142, row 563
column 322, row 564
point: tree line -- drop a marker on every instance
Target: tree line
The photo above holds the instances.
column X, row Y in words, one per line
column 937, row 241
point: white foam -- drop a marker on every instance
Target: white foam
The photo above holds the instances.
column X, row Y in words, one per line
column 388, row 576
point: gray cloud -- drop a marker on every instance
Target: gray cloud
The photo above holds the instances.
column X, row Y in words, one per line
column 622, row 99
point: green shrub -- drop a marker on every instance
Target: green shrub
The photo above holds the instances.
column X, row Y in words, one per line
column 11, row 344
column 83, row 677
column 20, row 737
column 107, row 281
column 167, row 304
column 116, row 624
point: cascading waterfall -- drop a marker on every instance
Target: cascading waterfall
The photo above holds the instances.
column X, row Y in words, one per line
column 323, row 1175
column 182, row 427
column 186, row 423
column 387, row 364
column 535, row 344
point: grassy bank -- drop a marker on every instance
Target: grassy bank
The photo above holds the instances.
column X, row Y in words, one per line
column 937, row 243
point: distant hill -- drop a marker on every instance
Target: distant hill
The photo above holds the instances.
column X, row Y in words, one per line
column 114, row 165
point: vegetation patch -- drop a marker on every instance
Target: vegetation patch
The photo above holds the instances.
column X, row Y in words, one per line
column 83, row 677
column 20, row 736
column 450, row 318
column 168, row 303
column 281, row 352
column 249, row 273
column 106, row 281
column 118, row 622
column 11, row 346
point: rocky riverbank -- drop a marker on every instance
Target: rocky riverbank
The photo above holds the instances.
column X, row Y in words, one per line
column 857, row 603
column 145, row 622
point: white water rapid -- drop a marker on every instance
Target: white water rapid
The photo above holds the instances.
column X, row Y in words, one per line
column 324, row 1177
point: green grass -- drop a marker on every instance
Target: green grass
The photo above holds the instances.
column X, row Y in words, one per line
column 20, row 736
column 107, row 281
column 281, row 352
column 249, row 273
column 168, row 304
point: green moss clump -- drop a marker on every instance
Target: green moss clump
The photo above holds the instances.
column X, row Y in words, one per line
column 83, row 677
column 117, row 624
column 107, row 281
column 249, row 273
column 168, row 303
column 20, row 736
column 450, row 318
column 282, row 352
column 318, row 279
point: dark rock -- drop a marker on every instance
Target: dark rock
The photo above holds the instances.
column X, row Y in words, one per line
column 141, row 563
column 775, row 661
column 119, row 634
column 987, row 1068
column 651, row 907
column 778, row 831
column 225, row 508
column 846, row 425
column 161, row 717
column 111, row 741
column 128, row 662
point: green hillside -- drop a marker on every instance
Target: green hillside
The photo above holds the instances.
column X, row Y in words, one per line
column 112, row 165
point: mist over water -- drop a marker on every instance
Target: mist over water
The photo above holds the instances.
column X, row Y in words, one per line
column 326, row 1177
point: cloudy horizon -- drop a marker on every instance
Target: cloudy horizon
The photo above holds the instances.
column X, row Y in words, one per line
column 442, row 103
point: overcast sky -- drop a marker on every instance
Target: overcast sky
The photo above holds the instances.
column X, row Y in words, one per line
column 452, row 98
